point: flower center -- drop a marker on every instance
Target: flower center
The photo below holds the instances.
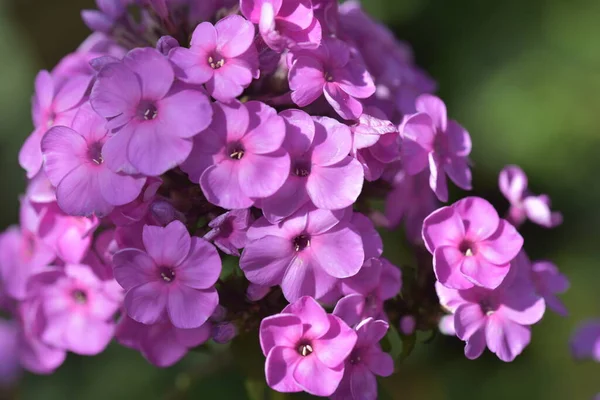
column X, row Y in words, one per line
column 167, row 274
column 216, row 61
column 487, row 307
column 301, row 169
column 305, row 349
column 328, row 77
column 236, row 151
column 148, row 111
column 467, row 248
column 79, row 296
column 355, row 357
column 95, row 153
column 301, row 242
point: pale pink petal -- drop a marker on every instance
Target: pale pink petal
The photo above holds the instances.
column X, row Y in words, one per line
column 133, row 267
column 506, row 338
column 234, row 36
column 513, row 183
column 205, row 37
column 447, row 261
column 79, row 193
column 345, row 105
column 64, row 150
column 316, row 378
column 338, row 252
column 335, row 346
column 306, row 79
column 154, row 71
column 185, row 112
column 146, row 303
column 191, row 65
column 436, row 109
column 337, row 186
column 483, row 273
column 280, row 330
column 503, row 246
column 264, row 261
column 476, row 344
column 189, row 308
column 116, row 91
column 221, row 186
column 168, row 246
column 262, row 175
column 481, row 218
column 332, row 141
column 202, row 266
column 279, row 367
column 443, row 227
column 468, row 319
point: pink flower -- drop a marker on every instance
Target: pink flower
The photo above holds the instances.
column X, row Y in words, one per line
column 229, row 231
column 366, row 361
column 523, row 204
column 305, row 348
column 162, row 344
column 173, row 279
column 154, row 117
column 334, row 70
column 78, row 308
column 430, row 141
column 549, row 282
column 377, row 281
column 54, row 103
column 222, row 56
column 471, row 245
column 498, row 319
column 306, row 253
column 284, row 23
column 34, row 354
column 411, row 200
column 239, row 157
column 74, row 165
column 585, row 342
column 375, row 142
column 321, row 171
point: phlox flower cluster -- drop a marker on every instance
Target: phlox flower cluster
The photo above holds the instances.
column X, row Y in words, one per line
column 274, row 136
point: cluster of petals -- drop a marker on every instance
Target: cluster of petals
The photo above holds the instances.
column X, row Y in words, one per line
column 498, row 319
column 306, row 348
column 523, row 204
column 471, row 245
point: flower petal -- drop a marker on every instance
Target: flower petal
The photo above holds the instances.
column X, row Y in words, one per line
column 133, row 267
column 168, row 246
column 189, row 308
column 146, row 303
column 202, row 266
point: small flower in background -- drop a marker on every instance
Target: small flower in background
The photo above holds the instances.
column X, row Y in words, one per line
column 523, row 204
column 229, row 231
column 585, row 342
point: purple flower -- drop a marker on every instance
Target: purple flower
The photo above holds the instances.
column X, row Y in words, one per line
column 54, row 103
column 471, row 245
column 375, row 142
column 74, row 165
column 229, row 231
column 154, row 117
column 222, row 56
column 10, row 368
column 321, row 171
column 34, row 354
column 377, row 281
column 21, row 256
column 408, row 325
column 334, row 70
column 411, row 200
column 239, row 157
column 430, row 141
column 284, row 23
column 497, row 318
column 305, row 348
column 585, row 342
column 306, row 253
column 104, row 19
column 523, row 204
column 78, row 309
column 549, row 282
column 173, row 279
column 162, row 344
column 365, row 362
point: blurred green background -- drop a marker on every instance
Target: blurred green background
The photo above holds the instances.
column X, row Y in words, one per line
column 522, row 76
